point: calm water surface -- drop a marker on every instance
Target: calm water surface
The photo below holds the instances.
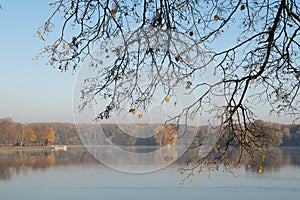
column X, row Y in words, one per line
column 74, row 174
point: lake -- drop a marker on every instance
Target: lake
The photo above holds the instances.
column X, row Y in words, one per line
column 75, row 174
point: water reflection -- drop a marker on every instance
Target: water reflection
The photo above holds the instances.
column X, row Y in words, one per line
column 277, row 158
column 20, row 162
column 16, row 162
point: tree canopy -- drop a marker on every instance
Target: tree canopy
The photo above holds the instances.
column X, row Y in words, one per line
column 17, row 134
column 252, row 46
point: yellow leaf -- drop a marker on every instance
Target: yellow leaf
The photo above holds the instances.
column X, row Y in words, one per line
column 147, row 51
column 181, row 170
column 132, row 110
column 226, row 161
column 118, row 52
column 263, row 157
column 168, row 146
column 41, row 35
column 188, row 85
column 216, row 17
column 140, row 116
column 200, row 171
column 269, row 28
column 192, row 176
column 167, row 99
column 259, row 169
column 64, row 46
column 175, row 103
column 113, row 12
column 55, row 46
column 200, row 41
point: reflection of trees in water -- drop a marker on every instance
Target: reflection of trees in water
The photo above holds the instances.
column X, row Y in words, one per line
column 20, row 162
column 16, row 162
column 275, row 159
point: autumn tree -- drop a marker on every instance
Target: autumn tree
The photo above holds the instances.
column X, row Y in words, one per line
column 65, row 133
column 8, row 132
column 26, row 136
column 44, row 134
column 166, row 135
column 252, row 46
column 13, row 133
column 267, row 133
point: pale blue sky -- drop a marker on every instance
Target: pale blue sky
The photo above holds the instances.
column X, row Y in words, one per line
column 32, row 91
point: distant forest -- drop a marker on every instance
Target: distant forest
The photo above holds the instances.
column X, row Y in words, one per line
column 42, row 134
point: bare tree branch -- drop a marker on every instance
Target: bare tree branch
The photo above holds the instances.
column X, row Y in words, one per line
column 252, row 45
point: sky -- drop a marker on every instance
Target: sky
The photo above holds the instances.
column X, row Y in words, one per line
column 31, row 90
